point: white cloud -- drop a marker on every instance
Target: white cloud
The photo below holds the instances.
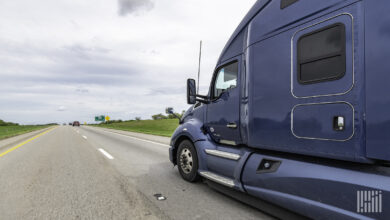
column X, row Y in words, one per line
column 131, row 6
column 61, row 108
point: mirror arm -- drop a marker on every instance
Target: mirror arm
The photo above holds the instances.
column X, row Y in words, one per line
column 177, row 116
column 202, row 96
column 170, row 111
column 204, row 101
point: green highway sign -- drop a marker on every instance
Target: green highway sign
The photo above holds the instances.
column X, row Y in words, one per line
column 100, row 118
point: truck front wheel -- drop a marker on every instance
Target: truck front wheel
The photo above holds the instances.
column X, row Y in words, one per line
column 187, row 161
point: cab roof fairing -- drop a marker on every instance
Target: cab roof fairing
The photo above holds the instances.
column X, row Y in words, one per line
column 256, row 8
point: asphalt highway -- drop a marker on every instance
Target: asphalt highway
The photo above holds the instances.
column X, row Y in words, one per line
column 92, row 173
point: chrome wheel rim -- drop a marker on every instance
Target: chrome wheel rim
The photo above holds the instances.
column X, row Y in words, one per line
column 186, row 161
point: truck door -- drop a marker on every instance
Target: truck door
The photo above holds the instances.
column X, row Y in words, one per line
column 223, row 118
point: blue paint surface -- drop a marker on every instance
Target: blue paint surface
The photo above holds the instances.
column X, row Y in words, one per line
column 321, row 169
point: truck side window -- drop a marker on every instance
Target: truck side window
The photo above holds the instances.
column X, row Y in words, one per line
column 321, row 55
column 226, row 79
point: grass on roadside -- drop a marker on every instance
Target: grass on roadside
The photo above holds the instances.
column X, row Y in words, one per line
column 14, row 130
column 163, row 127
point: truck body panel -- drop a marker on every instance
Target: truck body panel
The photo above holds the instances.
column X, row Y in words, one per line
column 377, row 77
column 319, row 190
column 301, row 116
column 278, row 102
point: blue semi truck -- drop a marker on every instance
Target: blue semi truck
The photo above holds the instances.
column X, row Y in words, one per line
column 297, row 118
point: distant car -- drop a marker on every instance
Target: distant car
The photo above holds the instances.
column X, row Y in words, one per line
column 70, row 123
column 76, row 123
column 64, row 124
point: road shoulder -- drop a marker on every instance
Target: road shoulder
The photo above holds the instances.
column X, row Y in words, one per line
column 10, row 142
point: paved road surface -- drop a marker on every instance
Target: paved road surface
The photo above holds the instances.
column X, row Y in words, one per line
column 93, row 173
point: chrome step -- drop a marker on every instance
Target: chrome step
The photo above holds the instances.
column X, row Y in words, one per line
column 223, row 154
column 217, row 178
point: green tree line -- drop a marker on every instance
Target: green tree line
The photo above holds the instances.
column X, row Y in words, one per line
column 159, row 116
column 3, row 123
column 162, row 116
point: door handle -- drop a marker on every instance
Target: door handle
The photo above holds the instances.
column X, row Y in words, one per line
column 338, row 123
column 231, row 125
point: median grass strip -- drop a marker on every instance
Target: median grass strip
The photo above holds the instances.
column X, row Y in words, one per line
column 163, row 127
column 14, row 130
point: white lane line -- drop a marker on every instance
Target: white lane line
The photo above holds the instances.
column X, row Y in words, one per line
column 140, row 139
column 106, row 154
column 85, row 137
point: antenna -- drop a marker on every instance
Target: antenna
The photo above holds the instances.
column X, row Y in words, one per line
column 200, row 57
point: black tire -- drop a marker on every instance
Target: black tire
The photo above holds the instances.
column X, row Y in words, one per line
column 187, row 161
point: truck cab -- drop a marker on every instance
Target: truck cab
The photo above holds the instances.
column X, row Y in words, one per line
column 297, row 113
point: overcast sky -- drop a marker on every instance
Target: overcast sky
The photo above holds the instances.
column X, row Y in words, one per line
column 68, row 60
